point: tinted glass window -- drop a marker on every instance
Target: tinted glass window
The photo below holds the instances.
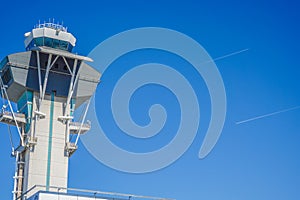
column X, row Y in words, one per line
column 70, row 47
column 3, row 62
column 6, row 77
column 48, row 42
column 55, row 43
column 39, row 41
column 63, row 45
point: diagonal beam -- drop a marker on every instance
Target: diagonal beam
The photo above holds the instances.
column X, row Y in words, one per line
column 39, row 75
column 49, row 66
column 67, row 64
column 82, row 122
column 71, row 87
column 12, row 111
column 74, row 84
column 46, row 77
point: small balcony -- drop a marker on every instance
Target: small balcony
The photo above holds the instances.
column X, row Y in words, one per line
column 75, row 127
column 7, row 118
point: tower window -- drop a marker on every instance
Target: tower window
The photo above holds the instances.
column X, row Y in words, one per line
column 55, row 43
column 3, row 62
column 6, row 77
column 48, row 42
column 63, row 45
column 39, row 41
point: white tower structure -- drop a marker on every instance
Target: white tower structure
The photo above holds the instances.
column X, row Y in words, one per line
column 47, row 82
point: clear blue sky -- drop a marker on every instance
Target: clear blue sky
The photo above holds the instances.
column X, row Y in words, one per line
column 254, row 160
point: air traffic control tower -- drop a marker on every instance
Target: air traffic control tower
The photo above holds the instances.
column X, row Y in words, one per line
column 47, row 82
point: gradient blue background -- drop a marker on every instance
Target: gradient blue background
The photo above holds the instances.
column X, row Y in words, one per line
column 254, row 160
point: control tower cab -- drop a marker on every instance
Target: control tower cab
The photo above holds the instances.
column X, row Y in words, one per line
column 50, row 35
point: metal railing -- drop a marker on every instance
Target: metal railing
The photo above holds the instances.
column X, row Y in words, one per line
column 86, row 125
column 52, row 25
column 7, row 113
column 91, row 193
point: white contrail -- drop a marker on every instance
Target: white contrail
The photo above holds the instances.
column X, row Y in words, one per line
column 227, row 55
column 267, row 115
column 230, row 54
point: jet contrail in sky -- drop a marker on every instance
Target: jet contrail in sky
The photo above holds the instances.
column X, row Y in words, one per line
column 230, row 54
column 267, row 115
column 226, row 56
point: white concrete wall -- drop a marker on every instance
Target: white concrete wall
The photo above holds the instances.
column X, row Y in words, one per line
column 37, row 160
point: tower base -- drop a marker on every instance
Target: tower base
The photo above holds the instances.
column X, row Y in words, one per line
column 55, row 195
column 80, row 194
